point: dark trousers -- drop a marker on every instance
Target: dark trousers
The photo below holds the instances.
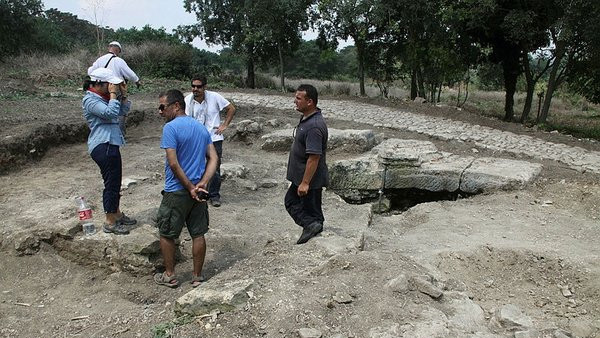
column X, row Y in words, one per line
column 214, row 186
column 304, row 210
column 108, row 158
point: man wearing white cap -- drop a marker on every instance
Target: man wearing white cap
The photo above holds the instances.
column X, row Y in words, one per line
column 112, row 61
column 119, row 67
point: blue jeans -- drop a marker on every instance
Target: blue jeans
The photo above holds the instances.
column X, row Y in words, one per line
column 108, row 158
column 214, row 186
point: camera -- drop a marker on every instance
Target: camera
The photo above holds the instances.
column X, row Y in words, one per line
column 202, row 195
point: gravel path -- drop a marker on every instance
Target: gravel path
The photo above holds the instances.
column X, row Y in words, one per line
column 441, row 128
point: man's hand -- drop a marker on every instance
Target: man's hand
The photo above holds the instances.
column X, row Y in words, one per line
column 221, row 129
column 303, row 189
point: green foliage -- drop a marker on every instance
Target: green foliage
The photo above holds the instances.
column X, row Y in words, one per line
column 166, row 330
column 74, row 32
column 17, row 25
column 489, row 76
column 161, row 59
column 136, row 36
column 260, row 30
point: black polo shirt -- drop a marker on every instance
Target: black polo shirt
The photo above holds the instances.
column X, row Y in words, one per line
column 310, row 138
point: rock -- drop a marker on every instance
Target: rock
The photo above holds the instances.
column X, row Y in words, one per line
column 137, row 253
column 487, row 174
column 527, row 334
column 565, row 291
column 233, row 170
column 268, row 183
column 272, row 123
column 467, row 315
column 342, row 298
column 214, row 295
column 346, row 140
column 247, row 184
column 127, row 182
column 561, row 334
column 413, row 164
column 419, row 100
column 582, row 328
column 398, row 284
column 511, row 318
column 309, row 333
column 425, row 286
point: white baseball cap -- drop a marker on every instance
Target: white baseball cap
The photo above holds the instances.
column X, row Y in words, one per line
column 116, row 43
column 105, row 75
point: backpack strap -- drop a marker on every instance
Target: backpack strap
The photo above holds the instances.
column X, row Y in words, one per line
column 112, row 57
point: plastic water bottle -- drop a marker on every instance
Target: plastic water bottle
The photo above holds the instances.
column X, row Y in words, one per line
column 85, row 216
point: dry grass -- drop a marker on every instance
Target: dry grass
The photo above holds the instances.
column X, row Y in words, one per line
column 339, row 88
column 42, row 67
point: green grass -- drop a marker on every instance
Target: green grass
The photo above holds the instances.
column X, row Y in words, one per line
column 166, row 330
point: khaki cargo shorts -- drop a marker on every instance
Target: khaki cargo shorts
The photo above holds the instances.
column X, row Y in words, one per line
column 177, row 209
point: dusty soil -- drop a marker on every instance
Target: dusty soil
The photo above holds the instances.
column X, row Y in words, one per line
column 515, row 247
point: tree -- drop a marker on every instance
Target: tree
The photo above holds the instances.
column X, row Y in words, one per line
column 509, row 28
column 575, row 38
column 250, row 28
column 17, row 24
column 348, row 19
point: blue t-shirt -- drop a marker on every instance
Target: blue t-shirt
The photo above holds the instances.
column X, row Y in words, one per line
column 189, row 138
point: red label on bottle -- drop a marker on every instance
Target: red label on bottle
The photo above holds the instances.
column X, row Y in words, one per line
column 85, row 214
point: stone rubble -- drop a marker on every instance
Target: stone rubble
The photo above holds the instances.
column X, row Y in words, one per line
column 440, row 128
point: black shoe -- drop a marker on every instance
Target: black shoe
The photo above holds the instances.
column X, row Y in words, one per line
column 215, row 202
column 117, row 229
column 309, row 232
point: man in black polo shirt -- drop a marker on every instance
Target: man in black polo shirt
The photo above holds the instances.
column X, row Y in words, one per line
column 307, row 169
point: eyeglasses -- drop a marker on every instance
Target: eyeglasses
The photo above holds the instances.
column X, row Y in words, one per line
column 163, row 107
column 198, row 86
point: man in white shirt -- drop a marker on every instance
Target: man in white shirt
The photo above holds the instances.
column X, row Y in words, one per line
column 119, row 67
column 205, row 106
column 112, row 61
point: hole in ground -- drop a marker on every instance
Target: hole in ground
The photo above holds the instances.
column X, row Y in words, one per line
column 401, row 199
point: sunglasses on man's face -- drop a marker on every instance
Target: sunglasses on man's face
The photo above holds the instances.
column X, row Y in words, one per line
column 164, row 106
column 198, row 86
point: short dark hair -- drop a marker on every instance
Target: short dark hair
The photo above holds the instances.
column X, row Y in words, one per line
column 201, row 78
column 174, row 95
column 311, row 92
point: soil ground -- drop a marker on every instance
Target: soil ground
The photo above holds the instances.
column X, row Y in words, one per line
column 510, row 247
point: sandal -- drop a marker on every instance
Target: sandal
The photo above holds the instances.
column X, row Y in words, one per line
column 197, row 280
column 163, row 279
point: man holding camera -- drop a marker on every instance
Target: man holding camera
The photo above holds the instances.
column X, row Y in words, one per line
column 186, row 179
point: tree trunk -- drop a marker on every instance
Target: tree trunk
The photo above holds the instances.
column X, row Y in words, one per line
column 421, row 83
column 413, row 85
column 530, row 89
column 439, row 94
column 360, row 50
column 250, row 68
column 281, row 66
column 552, row 83
column 511, row 74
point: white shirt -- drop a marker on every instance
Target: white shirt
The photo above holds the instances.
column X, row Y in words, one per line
column 117, row 65
column 207, row 111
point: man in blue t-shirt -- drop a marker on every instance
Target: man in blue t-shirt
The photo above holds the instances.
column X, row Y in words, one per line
column 186, row 179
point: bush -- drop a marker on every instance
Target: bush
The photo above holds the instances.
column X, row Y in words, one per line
column 160, row 59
